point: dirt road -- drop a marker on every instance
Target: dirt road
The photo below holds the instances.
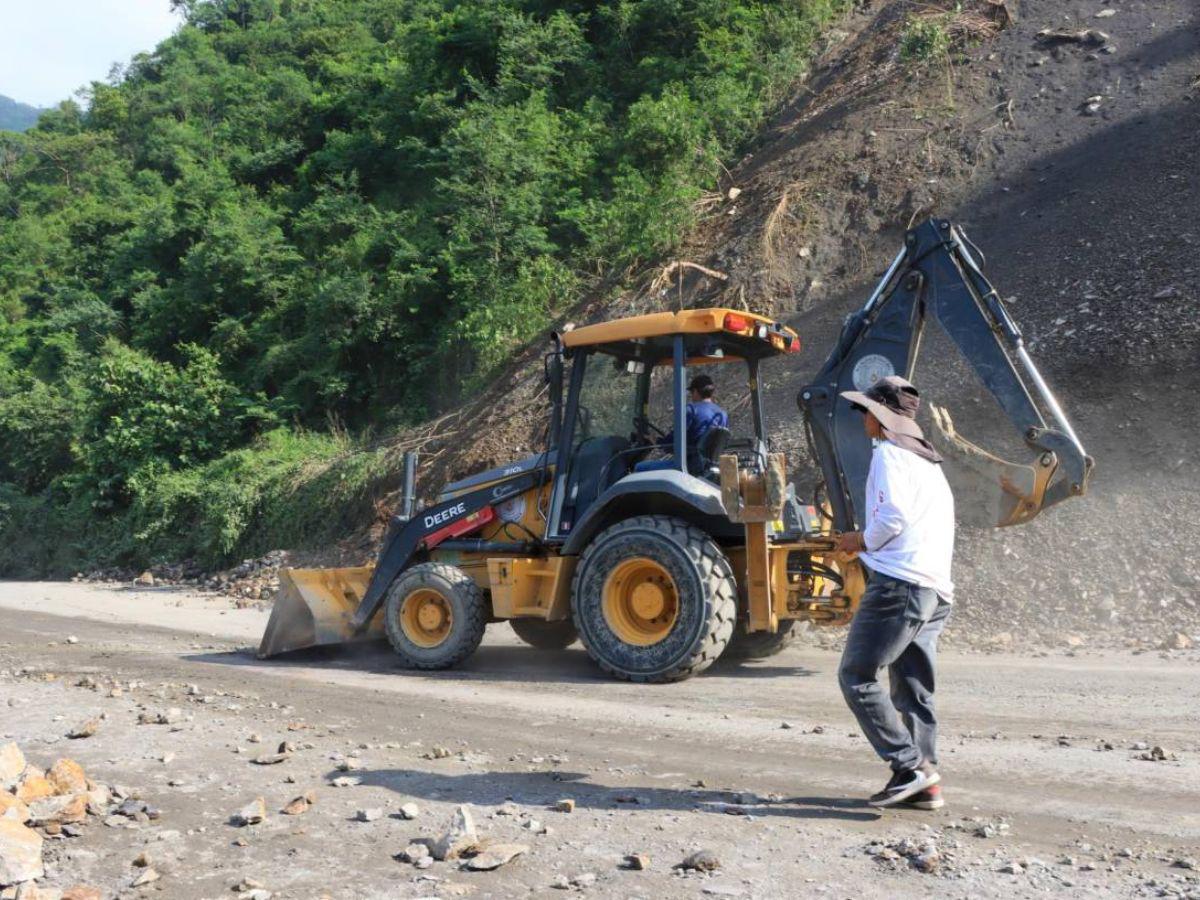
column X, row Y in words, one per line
column 659, row 771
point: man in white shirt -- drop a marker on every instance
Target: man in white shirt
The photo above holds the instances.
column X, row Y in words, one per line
column 906, row 544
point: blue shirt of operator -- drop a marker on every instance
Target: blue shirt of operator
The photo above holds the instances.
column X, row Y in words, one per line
column 702, row 417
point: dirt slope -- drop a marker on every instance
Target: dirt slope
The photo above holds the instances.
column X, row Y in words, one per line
column 1090, row 222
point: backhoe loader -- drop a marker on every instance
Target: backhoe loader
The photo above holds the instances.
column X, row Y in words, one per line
column 658, row 556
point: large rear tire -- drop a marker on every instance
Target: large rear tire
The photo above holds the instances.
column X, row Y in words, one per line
column 654, row 599
column 434, row 616
column 761, row 644
column 545, row 635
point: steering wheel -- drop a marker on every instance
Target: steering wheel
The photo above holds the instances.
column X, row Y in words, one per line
column 641, row 423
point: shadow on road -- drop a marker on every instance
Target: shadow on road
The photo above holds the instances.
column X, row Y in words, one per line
column 488, row 664
column 544, row 788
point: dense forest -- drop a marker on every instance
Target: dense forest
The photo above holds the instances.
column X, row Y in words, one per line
column 296, row 224
column 16, row 116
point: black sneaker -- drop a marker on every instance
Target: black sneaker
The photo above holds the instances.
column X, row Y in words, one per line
column 930, row 798
column 905, row 784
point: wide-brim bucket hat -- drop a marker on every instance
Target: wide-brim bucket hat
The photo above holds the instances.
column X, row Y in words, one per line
column 894, row 402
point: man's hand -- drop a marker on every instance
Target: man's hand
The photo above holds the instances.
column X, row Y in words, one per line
column 851, row 542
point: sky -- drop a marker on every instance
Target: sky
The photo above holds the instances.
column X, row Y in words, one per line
column 51, row 48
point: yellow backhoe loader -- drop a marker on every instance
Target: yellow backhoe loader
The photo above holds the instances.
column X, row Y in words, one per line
column 659, row 556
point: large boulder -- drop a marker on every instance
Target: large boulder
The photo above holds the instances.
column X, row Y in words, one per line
column 67, row 777
column 20, row 853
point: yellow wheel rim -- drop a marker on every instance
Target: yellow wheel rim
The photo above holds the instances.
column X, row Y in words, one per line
column 641, row 602
column 426, row 617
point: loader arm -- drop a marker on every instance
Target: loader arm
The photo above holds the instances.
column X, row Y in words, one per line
column 936, row 274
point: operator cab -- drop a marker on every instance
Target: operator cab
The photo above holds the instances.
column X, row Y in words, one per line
column 625, row 410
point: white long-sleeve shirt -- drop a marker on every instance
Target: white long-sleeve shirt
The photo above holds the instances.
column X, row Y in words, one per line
column 909, row 528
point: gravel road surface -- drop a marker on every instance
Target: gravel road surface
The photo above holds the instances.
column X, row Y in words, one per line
column 760, row 764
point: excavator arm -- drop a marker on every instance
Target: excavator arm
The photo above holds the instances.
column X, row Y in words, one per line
column 936, row 275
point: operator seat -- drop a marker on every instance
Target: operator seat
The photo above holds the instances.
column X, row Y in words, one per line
column 598, row 464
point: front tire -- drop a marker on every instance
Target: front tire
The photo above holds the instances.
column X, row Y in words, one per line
column 654, row 599
column 545, row 635
column 434, row 616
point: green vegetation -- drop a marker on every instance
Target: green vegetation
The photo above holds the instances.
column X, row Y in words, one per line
column 926, row 38
column 16, row 116
column 297, row 212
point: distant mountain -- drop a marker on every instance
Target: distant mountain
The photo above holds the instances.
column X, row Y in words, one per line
column 16, row 116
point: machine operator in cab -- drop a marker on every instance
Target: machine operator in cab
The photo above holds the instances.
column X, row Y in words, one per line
column 703, row 415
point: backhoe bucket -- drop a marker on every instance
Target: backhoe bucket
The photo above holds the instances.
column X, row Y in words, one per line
column 313, row 607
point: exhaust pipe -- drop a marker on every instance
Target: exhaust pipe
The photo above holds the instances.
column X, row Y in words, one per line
column 408, row 499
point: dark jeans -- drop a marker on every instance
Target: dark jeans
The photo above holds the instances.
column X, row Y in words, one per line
column 897, row 626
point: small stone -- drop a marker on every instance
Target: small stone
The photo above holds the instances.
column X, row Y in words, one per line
column 346, row 781
column 561, row 883
column 255, row 894
column 271, row 759
column 1186, row 862
column 251, row 814
column 145, row 580
column 439, row 753
column 583, row 880
column 1012, row 868
column 565, row 805
column 535, row 826
column 638, row 862
column 349, row 765
column 495, row 856
column 300, row 805
column 85, row 730
column 82, row 892
column 701, row 861
column 1106, row 14
column 71, row 639
column 733, row 193
column 409, row 811
column 459, row 837
column 414, row 853
column 1178, row 641
column 142, row 860
column 373, row 814
column 148, row 876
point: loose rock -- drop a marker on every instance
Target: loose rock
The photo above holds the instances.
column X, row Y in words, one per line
column 566, row 805
column 300, row 805
column 409, row 811
column 495, row 856
column 458, row 838
column 85, row 730
column 701, row 861
column 251, row 814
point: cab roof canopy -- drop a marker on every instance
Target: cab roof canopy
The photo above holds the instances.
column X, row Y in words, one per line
column 710, row 335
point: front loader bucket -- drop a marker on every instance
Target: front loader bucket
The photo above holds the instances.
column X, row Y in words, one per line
column 313, row 607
